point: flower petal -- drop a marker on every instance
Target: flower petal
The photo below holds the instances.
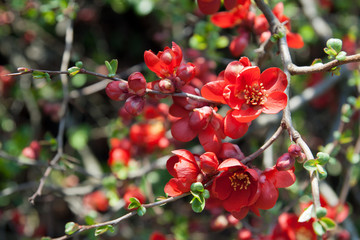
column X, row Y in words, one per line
column 170, row 165
column 174, row 187
column 214, row 91
column 248, row 76
column 209, row 6
column 233, row 128
column 221, row 187
column 181, row 130
column 268, row 197
column 294, row 40
column 231, row 98
column 230, row 162
column 274, row 80
column 241, row 214
column 246, row 114
column 185, row 154
column 210, row 140
column 232, row 71
column 275, row 103
column 223, row 19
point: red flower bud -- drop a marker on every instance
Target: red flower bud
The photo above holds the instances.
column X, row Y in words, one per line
column 209, row 163
column 285, row 162
column 200, row 117
column 166, row 57
column 137, row 84
column 239, row 44
column 186, row 72
column 294, row 150
column 230, row 150
column 302, row 158
column 134, row 105
column 166, row 86
column 29, row 153
column 117, row 90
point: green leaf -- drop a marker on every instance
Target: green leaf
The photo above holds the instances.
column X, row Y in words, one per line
column 222, row 42
column 104, row 229
column 321, row 212
column 318, row 229
column 316, row 61
column 321, row 171
column 134, row 203
column 322, row 158
column 310, row 165
column 327, row 223
column 206, row 194
column 336, row 71
column 111, row 67
column 196, row 195
column 197, row 187
column 307, row 214
column 79, row 64
column 341, row 56
column 73, row 71
column 71, row 228
column 335, row 44
column 197, row 206
column 331, row 52
column 40, row 75
column 141, row 211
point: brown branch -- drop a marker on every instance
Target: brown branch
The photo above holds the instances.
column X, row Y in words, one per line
column 286, row 120
column 294, row 70
column 69, row 36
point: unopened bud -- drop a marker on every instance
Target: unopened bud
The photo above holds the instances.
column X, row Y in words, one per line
column 209, row 163
column 137, row 84
column 166, row 86
column 294, row 150
column 285, row 162
column 117, row 90
column 134, row 105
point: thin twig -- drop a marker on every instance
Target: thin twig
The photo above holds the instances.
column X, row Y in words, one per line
column 60, row 141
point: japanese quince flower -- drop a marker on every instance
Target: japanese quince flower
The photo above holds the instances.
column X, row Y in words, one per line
column 169, row 66
column 203, row 122
column 234, row 16
column 185, row 170
column 288, row 227
column 247, row 92
column 237, row 186
column 270, row 181
column 212, row 6
column 261, row 27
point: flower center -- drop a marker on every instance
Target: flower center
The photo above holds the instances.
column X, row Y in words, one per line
column 255, row 94
column 239, row 180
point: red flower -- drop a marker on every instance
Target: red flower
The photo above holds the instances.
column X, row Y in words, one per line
column 118, row 155
column 169, row 67
column 185, row 170
column 288, row 228
column 212, row 6
column 235, row 16
column 261, row 26
column 97, row 201
column 203, row 122
column 157, row 236
column 247, row 91
column 237, row 186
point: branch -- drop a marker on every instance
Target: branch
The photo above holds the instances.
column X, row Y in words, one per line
column 60, row 137
column 294, row 70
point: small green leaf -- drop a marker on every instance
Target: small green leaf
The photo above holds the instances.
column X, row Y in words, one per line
column 331, row 52
column 111, row 67
column 79, row 64
column 134, row 203
column 336, row 71
column 206, row 194
column 307, row 214
column 274, row 38
column 318, row 229
column 327, row 223
column 310, row 165
column 316, row 61
column 47, row 77
column 141, row 211
column 341, row 56
column 39, row 75
column 71, row 228
column 321, row 212
column 197, row 187
column 322, row 172
column 335, row 44
column 197, row 206
column 104, row 229
column 322, row 158
column 73, row 71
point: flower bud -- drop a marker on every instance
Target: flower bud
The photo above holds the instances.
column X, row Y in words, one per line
column 117, row 90
column 200, row 117
column 239, row 44
column 29, row 153
column 230, row 150
column 166, row 86
column 209, row 163
column 137, row 84
column 302, row 158
column 134, row 105
column 186, row 72
column 166, row 57
column 219, row 223
column 294, row 150
column 285, row 162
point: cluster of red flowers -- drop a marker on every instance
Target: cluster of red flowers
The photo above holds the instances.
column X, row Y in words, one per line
column 236, row 187
column 238, row 14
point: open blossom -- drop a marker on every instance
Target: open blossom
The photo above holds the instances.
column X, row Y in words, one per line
column 237, row 186
column 232, row 17
column 247, row 91
column 185, row 170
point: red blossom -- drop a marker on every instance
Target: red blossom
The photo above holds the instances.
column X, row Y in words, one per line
column 203, row 122
column 234, row 16
column 261, row 26
column 118, row 155
column 185, row 170
column 157, row 236
column 237, row 185
column 97, row 201
column 212, row 6
column 288, row 228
